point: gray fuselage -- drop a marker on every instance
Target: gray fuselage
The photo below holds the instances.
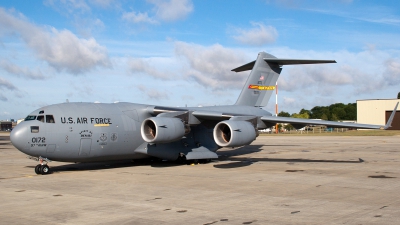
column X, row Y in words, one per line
column 82, row 132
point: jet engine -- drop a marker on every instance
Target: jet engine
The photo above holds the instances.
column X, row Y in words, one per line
column 162, row 129
column 234, row 133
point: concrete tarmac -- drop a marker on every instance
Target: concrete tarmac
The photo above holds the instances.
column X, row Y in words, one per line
column 276, row 180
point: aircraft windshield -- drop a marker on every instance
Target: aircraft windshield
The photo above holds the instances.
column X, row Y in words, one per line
column 40, row 118
column 50, row 119
column 30, row 117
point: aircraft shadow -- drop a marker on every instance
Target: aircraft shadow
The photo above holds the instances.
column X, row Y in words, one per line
column 92, row 166
column 231, row 155
column 226, row 155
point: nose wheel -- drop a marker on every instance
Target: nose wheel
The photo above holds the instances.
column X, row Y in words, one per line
column 41, row 168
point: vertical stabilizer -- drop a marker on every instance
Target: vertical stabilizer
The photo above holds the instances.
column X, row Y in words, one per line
column 263, row 76
column 261, row 82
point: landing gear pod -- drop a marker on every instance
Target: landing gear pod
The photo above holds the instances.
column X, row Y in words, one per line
column 234, row 133
column 162, row 129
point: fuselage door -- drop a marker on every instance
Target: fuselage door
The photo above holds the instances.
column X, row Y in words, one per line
column 86, row 145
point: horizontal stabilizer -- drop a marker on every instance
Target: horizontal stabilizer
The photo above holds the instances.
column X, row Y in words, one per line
column 282, row 62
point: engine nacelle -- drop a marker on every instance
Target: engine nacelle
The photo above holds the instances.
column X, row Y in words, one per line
column 234, row 133
column 162, row 129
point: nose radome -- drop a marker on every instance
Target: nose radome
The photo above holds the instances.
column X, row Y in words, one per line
column 19, row 137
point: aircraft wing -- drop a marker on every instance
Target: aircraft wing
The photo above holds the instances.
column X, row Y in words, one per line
column 296, row 122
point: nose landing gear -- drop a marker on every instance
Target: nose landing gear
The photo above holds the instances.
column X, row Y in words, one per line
column 41, row 168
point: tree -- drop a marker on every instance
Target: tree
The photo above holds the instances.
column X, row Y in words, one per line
column 284, row 114
column 301, row 116
column 351, row 111
column 339, row 112
column 302, row 111
column 288, row 127
column 398, row 95
column 318, row 111
column 334, row 117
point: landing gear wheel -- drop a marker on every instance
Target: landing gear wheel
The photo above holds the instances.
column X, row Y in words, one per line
column 45, row 169
column 38, row 169
column 181, row 159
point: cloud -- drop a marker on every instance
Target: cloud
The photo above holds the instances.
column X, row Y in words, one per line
column 257, row 36
column 141, row 66
column 391, row 75
column 6, row 85
column 18, row 71
column 3, row 98
column 172, row 10
column 153, row 93
column 163, row 11
column 211, row 66
column 135, row 17
column 301, row 3
column 82, row 88
column 70, row 6
column 62, row 50
column 104, row 3
column 356, row 74
column 379, row 15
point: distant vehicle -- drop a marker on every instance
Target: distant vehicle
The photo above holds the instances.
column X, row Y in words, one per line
column 88, row 132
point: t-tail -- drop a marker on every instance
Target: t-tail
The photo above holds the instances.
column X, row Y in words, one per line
column 261, row 82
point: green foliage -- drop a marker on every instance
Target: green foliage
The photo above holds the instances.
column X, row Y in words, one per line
column 305, row 111
column 301, row 115
column 284, row 114
column 289, row 127
column 334, row 112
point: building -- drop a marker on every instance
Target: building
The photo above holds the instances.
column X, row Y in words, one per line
column 5, row 125
column 377, row 111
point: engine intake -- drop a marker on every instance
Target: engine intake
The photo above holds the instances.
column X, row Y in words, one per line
column 234, row 133
column 162, row 129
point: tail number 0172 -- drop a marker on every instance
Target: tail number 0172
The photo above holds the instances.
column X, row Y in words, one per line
column 38, row 140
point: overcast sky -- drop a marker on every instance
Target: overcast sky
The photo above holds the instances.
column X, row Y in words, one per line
column 181, row 52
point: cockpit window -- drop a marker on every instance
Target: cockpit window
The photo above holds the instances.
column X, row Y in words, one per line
column 50, row 119
column 30, row 117
column 41, row 118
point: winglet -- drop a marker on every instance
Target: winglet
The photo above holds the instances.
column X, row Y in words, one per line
column 389, row 122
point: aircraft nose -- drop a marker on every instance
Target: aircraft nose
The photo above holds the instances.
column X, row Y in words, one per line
column 19, row 137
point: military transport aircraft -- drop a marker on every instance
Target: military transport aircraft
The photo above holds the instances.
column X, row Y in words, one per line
column 88, row 132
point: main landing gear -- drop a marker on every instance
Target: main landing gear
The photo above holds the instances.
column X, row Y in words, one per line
column 41, row 168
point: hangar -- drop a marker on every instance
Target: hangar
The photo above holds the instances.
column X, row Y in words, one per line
column 377, row 111
column 5, row 125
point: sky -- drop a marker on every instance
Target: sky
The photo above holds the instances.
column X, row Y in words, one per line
column 181, row 52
